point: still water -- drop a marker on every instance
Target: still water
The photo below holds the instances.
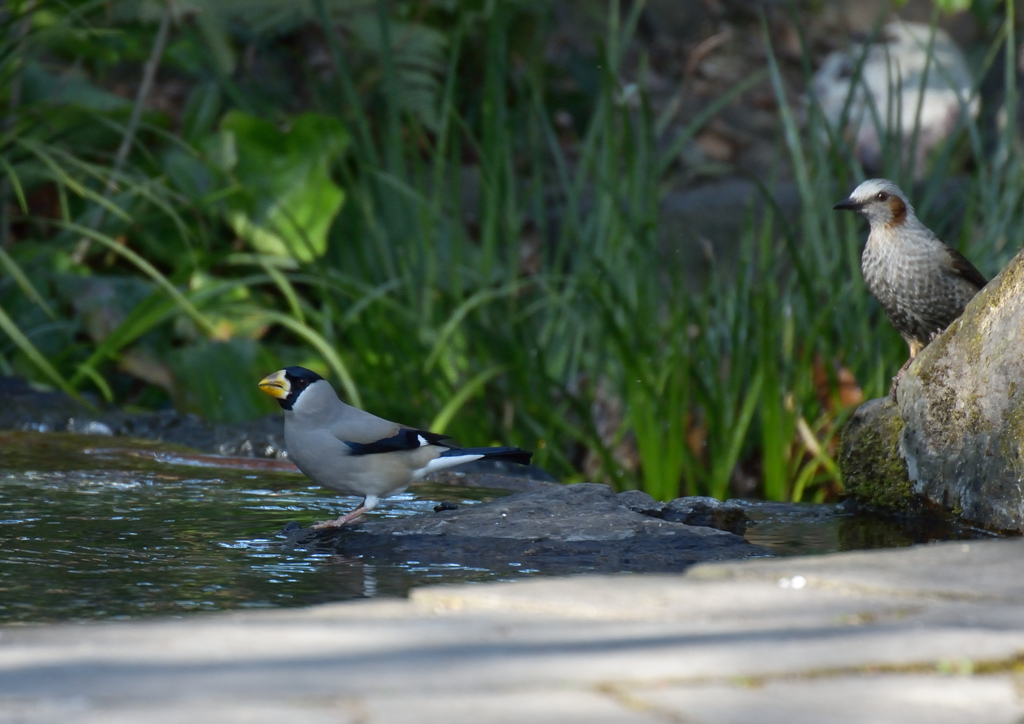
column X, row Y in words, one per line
column 88, row 532
column 95, row 528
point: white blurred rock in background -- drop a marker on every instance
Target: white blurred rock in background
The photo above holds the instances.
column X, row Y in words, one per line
column 889, row 92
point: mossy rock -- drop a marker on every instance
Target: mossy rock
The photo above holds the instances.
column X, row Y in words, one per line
column 873, row 470
column 954, row 440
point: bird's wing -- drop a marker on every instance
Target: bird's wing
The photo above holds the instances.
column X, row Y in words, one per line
column 405, row 439
column 962, row 267
column 366, row 434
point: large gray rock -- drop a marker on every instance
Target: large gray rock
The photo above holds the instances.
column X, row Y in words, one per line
column 962, row 404
column 555, row 529
column 953, row 441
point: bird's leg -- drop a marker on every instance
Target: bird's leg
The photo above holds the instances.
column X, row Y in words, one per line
column 915, row 347
column 368, row 504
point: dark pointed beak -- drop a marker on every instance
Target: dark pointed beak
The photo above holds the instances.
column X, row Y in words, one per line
column 848, row 205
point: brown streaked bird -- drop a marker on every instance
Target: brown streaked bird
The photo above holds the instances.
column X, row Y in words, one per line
column 344, row 448
column 922, row 284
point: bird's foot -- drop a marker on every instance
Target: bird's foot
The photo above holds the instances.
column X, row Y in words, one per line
column 897, row 378
column 340, row 522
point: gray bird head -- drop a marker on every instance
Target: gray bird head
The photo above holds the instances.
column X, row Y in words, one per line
column 880, row 201
column 288, row 386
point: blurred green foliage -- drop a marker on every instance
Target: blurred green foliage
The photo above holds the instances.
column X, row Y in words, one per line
column 378, row 191
column 287, row 199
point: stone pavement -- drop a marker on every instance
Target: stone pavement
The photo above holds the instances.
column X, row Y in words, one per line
column 927, row 634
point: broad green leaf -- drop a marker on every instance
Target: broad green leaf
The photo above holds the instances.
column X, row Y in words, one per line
column 288, row 199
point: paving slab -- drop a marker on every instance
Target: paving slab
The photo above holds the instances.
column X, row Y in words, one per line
column 841, row 700
column 931, row 633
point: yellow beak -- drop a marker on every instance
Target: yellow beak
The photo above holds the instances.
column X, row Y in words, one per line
column 276, row 385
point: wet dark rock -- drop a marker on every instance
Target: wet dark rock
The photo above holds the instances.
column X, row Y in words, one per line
column 262, row 438
column 25, row 408
column 560, row 528
column 702, row 511
column 730, row 515
column 954, row 440
column 640, row 502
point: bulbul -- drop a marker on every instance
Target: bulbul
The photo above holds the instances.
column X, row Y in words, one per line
column 344, row 448
column 922, row 284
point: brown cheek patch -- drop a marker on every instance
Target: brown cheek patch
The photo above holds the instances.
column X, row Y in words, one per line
column 898, row 209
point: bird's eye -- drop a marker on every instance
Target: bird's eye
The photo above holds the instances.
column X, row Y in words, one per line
column 882, row 196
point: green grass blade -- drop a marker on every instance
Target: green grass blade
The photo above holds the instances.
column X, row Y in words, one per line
column 317, row 341
column 37, row 358
column 479, row 299
column 149, row 270
column 465, row 391
column 24, row 283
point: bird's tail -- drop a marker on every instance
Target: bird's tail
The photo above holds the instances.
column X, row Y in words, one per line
column 511, row 454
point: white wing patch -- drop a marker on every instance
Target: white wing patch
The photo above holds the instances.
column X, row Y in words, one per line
column 445, row 462
column 423, row 440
